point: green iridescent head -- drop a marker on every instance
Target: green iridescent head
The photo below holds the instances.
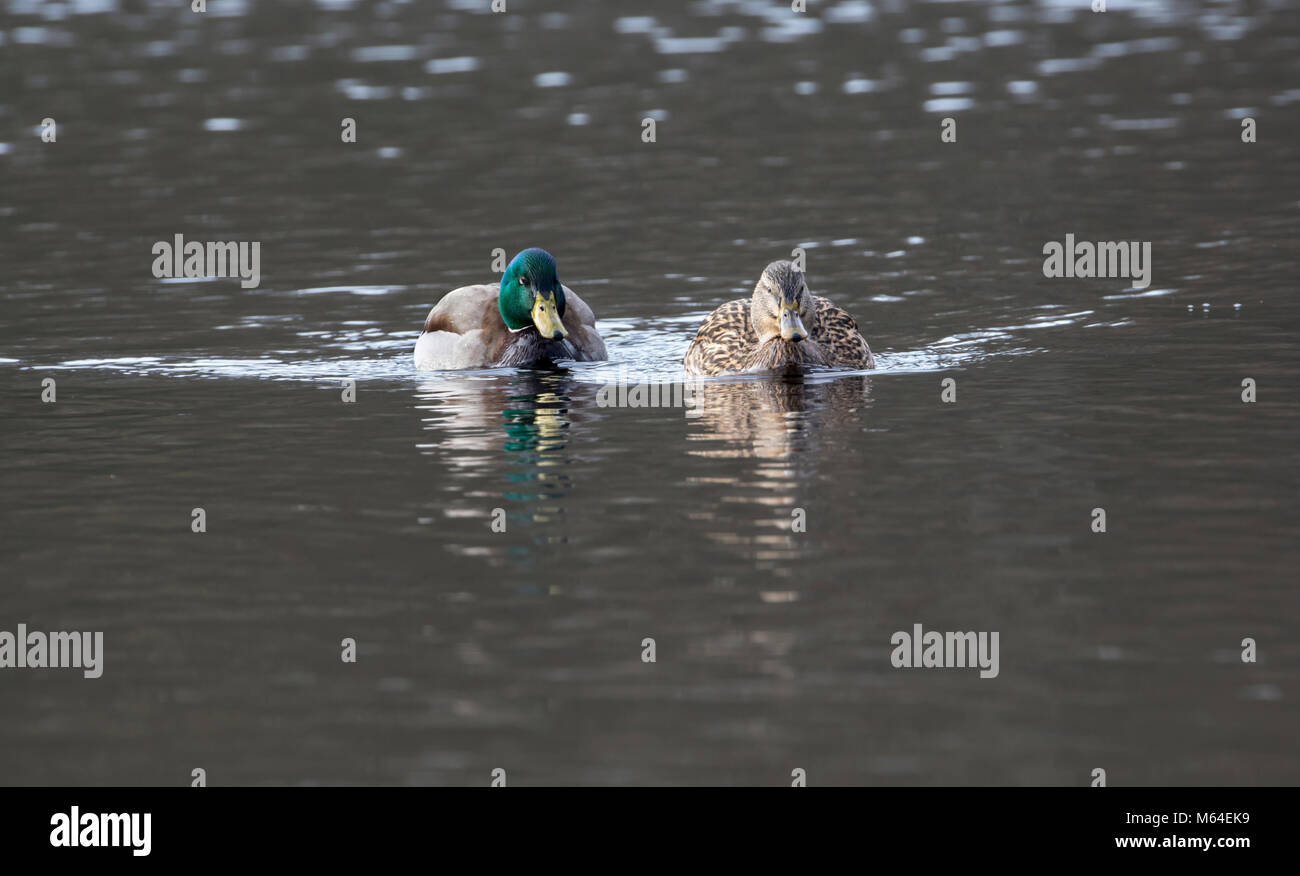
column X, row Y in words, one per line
column 531, row 294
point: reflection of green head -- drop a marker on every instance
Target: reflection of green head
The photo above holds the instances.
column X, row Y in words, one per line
column 531, row 294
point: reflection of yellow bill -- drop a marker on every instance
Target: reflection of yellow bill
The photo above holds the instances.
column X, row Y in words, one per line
column 550, row 423
column 547, row 318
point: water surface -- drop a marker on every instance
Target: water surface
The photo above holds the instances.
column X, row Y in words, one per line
column 522, row 650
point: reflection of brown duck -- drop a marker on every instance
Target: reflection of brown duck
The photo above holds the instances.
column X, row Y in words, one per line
column 777, row 424
column 753, row 417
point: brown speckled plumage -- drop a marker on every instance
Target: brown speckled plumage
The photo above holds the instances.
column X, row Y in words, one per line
column 743, row 336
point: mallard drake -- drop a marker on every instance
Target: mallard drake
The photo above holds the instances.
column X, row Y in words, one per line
column 531, row 318
column 782, row 327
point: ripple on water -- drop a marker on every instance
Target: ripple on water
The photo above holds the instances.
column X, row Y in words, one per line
column 947, row 104
column 862, row 86
column 555, row 79
column 443, row 66
column 223, row 124
column 376, row 54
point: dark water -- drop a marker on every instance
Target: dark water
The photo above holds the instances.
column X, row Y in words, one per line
column 522, row 650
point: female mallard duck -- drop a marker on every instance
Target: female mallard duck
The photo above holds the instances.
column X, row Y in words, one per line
column 530, row 319
column 782, row 327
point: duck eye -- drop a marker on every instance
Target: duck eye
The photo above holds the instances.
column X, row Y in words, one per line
column 523, row 281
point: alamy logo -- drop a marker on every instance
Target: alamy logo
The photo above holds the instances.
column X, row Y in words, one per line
column 196, row 261
column 935, row 650
column 620, row 393
column 37, row 650
column 113, row 829
column 1129, row 260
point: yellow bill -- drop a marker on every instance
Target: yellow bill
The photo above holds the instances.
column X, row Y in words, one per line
column 547, row 318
